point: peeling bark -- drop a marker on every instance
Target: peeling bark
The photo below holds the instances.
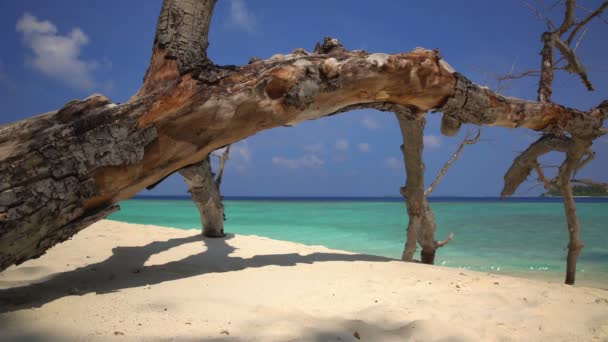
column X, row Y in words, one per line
column 47, row 166
column 180, row 44
column 481, row 106
column 63, row 168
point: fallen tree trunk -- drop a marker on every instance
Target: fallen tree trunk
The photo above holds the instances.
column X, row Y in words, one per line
column 65, row 169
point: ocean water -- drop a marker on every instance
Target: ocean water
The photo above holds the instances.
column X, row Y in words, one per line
column 522, row 237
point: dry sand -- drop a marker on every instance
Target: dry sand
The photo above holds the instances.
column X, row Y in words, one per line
column 134, row 282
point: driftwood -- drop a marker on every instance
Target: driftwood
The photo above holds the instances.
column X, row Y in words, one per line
column 63, row 170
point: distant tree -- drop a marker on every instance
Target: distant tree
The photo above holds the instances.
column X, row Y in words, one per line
column 592, row 189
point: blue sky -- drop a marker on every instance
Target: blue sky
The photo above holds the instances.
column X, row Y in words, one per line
column 104, row 46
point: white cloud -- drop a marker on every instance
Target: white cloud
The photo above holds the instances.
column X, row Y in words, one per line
column 242, row 150
column 393, row 163
column 310, row 161
column 241, row 17
column 240, row 156
column 342, row 145
column 55, row 55
column 432, row 141
column 364, row 147
column 370, row 123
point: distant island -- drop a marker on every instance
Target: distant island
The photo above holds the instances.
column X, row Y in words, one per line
column 581, row 190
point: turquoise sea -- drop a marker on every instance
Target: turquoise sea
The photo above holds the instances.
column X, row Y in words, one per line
column 523, row 237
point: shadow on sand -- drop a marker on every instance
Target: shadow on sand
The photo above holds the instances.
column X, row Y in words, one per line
column 125, row 269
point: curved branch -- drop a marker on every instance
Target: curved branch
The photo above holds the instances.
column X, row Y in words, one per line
column 84, row 158
column 528, row 161
column 585, row 21
column 442, row 243
column 568, row 18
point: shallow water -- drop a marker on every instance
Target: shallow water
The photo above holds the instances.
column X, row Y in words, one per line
column 519, row 237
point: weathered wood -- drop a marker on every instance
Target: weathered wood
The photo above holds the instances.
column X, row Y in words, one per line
column 576, row 144
column 180, row 43
column 566, row 170
column 528, row 160
column 547, row 73
column 422, row 225
column 481, row 106
column 412, row 131
column 46, row 172
column 205, row 193
column 63, row 167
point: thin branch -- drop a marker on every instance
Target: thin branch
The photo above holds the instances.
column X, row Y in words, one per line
column 589, row 156
column 585, row 21
column 555, row 4
column 574, row 64
column 510, row 75
column 442, row 243
column 548, row 184
column 568, row 18
column 579, row 40
column 467, row 141
column 550, row 25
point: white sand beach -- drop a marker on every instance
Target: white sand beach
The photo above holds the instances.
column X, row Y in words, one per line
column 118, row 281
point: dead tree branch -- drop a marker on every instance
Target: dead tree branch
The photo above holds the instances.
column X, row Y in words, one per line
column 63, row 170
column 468, row 140
column 412, row 131
column 576, row 148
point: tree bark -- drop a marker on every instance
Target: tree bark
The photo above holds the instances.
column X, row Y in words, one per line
column 61, row 170
column 206, row 195
column 566, row 171
column 412, row 130
column 576, row 146
column 545, row 84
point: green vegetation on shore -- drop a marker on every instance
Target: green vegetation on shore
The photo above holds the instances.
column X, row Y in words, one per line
column 581, row 190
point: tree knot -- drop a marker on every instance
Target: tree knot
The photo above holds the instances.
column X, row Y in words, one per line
column 329, row 45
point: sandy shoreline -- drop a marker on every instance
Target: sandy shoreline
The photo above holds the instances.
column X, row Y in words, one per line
column 135, row 282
